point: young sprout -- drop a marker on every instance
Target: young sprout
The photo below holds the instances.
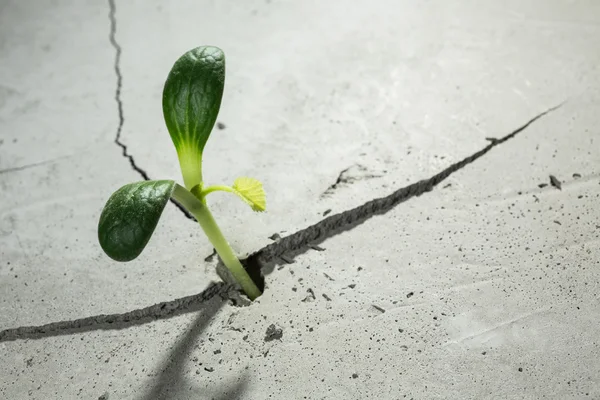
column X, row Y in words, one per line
column 191, row 101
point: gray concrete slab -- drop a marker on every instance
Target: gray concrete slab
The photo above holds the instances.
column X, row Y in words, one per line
column 485, row 287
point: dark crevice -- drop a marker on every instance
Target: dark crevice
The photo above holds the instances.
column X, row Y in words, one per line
column 117, row 67
column 140, row 316
column 264, row 259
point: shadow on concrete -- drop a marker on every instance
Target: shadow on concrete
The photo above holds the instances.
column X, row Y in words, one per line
column 265, row 259
column 171, row 384
column 140, row 316
column 236, row 391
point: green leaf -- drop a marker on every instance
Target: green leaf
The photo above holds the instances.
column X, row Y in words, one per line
column 252, row 192
column 191, row 101
column 130, row 217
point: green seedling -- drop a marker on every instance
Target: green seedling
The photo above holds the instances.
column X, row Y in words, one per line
column 191, row 101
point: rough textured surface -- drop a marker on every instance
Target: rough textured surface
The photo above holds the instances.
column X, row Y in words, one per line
column 484, row 287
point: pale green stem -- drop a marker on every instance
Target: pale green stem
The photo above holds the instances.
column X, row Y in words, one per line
column 215, row 188
column 210, row 227
column 190, row 163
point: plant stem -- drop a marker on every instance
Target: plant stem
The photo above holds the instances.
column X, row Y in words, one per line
column 215, row 188
column 200, row 210
column 190, row 163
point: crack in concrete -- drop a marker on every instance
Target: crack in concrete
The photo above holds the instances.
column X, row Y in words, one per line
column 297, row 242
column 117, row 66
column 140, row 316
column 33, row 165
column 348, row 176
column 302, row 240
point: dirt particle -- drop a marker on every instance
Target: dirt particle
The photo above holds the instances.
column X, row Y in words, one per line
column 354, row 375
column 273, row 333
column 221, row 125
column 103, row 397
column 576, row 175
column 542, row 185
column 29, row 362
column 409, row 295
column 555, row 182
column 328, row 277
column 275, row 236
column 326, row 297
column 209, row 369
column 311, row 296
column 352, row 285
column 520, row 369
column 380, row 309
column 326, row 212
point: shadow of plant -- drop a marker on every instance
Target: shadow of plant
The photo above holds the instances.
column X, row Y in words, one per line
column 171, row 384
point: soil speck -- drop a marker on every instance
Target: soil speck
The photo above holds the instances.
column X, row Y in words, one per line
column 275, row 236
column 381, row 310
column 555, row 182
column 311, row 296
column 273, row 333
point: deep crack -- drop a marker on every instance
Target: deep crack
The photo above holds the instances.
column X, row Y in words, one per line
column 119, row 321
column 296, row 242
column 335, row 224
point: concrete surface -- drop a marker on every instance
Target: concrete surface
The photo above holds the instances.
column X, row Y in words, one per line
column 485, row 287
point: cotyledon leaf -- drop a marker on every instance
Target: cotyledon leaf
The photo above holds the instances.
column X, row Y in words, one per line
column 130, row 217
column 191, row 100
